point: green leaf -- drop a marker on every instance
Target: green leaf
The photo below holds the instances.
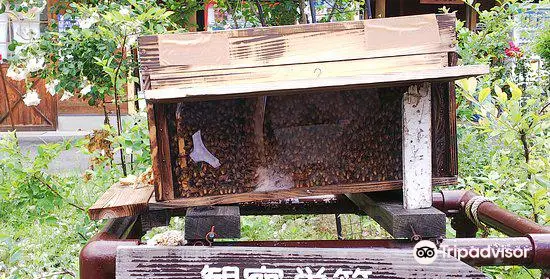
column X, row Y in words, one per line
column 516, row 91
column 469, row 85
column 501, row 96
column 484, row 93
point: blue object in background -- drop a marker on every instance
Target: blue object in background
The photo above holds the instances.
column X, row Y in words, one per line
column 64, row 23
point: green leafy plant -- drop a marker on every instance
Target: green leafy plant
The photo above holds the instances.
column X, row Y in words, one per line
column 503, row 121
column 43, row 216
column 542, row 45
column 22, row 9
column 182, row 10
column 93, row 58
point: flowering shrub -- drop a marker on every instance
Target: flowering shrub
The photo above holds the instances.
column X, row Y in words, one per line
column 513, row 51
column 542, row 46
column 91, row 59
column 22, row 9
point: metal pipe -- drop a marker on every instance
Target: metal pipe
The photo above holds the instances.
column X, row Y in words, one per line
column 453, row 202
column 98, row 257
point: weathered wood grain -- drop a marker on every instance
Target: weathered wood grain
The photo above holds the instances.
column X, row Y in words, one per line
column 121, row 201
column 294, row 193
column 154, row 148
column 307, row 71
column 440, row 129
column 162, row 162
column 417, row 147
column 224, row 220
column 400, row 222
column 187, row 262
column 296, row 86
column 453, row 145
column 304, row 43
column 296, row 52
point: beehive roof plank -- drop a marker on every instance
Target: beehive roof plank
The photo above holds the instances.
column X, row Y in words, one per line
column 289, row 86
column 304, row 43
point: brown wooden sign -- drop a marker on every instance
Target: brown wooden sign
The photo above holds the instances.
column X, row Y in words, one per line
column 277, row 263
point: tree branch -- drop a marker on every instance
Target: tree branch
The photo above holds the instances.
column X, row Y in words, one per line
column 117, row 105
column 45, row 183
column 64, row 272
column 260, row 12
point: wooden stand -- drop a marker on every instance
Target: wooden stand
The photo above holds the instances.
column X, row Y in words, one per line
column 400, row 222
column 221, row 221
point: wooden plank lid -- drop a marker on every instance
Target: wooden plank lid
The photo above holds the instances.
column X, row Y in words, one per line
column 262, row 61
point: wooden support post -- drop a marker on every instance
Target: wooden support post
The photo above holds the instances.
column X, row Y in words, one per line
column 226, row 221
column 471, row 18
column 417, row 147
column 380, row 8
column 400, row 222
column 155, row 218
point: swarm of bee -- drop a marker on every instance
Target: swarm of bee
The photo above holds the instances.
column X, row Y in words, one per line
column 98, row 142
column 306, row 140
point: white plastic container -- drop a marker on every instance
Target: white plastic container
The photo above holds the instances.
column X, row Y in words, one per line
column 4, row 20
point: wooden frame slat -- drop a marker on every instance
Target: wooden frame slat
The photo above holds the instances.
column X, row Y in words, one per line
column 293, row 86
column 295, row 193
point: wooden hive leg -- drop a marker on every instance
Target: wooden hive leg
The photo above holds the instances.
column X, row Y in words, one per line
column 226, row 221
column 398, row 221
column 417, row 147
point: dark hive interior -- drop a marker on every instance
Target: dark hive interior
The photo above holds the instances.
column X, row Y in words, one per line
column 281, row 142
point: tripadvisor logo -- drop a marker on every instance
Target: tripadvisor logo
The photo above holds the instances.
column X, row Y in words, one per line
column 425, row 252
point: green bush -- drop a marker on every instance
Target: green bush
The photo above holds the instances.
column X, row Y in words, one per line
column 542, row 45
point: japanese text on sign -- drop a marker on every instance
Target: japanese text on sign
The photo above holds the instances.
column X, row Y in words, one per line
column 233, row 272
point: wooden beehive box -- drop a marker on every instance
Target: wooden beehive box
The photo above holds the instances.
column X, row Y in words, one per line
column 280, row 112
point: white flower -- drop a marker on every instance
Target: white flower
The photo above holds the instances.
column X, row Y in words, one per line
column 124, row 11
column 128, row 150
column 88, row 22
column 19, row 49
column 34, row 64
column 87, row 89
column 31, row 98
column 66, row 95
column 50, row 86
column 16, row 73
column 131, row 40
